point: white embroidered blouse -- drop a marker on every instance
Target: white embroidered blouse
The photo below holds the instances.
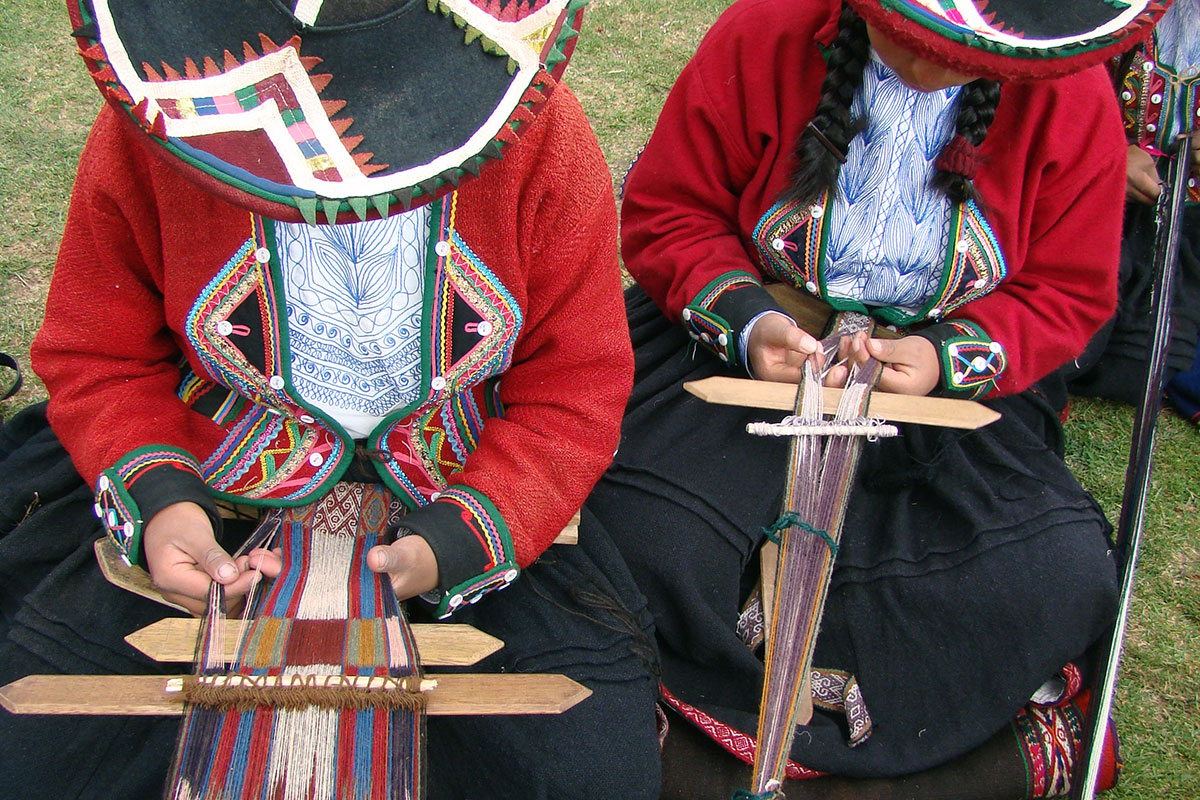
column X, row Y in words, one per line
column 354, row 298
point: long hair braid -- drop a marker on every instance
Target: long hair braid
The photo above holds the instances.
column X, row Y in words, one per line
column 956, row 164
column 821, row 148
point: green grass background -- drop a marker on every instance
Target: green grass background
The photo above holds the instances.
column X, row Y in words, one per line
column 626, row 62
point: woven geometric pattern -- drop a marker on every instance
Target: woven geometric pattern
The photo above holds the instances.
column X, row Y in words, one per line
column 326, row 614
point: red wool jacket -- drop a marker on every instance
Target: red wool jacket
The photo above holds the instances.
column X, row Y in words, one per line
column 1051, row 177
column 164, row 350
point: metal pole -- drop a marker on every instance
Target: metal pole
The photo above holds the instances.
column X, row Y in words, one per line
column 1137, row 473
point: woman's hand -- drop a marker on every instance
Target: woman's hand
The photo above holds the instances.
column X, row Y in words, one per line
column 183, row 558
column 409, row 562
column 910, row 364
column 777, row 349
column 1142, row 184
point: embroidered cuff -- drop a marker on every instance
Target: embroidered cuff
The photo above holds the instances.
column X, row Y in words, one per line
column 472, row 545
column 140, row 485
column 971, row 360
column 721, row 309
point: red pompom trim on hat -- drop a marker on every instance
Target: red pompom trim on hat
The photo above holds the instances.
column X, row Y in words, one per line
column 959, row 157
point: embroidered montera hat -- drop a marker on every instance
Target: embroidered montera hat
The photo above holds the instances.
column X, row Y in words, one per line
column 327, row 110
column 1013, row 39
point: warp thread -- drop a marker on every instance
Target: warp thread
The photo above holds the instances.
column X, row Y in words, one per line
column 790, row 519
column 403, row 694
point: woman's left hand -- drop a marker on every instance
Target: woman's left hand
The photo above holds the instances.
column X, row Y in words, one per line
column 910, row 364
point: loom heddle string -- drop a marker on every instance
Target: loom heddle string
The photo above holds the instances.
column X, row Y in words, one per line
column 818, row 485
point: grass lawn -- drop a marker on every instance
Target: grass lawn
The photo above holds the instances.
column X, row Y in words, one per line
column 627, row 61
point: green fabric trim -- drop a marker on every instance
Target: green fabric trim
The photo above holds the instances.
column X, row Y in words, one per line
column 948, row 386
column 121, row 517
column 722, row 278
column 498, row 577
column 129, row 541
column 284, row 349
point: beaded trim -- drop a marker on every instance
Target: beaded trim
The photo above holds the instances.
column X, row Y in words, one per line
column 208, row 329
column 266, row 451
column 710, row 328
column 790, row 240
column 485, row 521
column 1148, row 95
column 116, row 508
column 974, row 264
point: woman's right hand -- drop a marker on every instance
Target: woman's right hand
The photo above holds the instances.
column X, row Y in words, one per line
column 1142, row 184
column 777, row 349
column 183, row 558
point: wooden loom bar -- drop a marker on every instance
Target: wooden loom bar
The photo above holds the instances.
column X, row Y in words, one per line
column 941, row 411
column 440, row 644
column 148, row 695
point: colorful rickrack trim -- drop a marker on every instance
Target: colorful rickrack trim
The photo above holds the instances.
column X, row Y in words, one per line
column 485, row 521
column 790, row 519
column 708, row 327
column 115, row 507
column 790, row 240
column 971, row 361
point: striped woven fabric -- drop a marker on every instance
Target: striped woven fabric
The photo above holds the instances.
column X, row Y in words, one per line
column 820, row 471
column 326, row 614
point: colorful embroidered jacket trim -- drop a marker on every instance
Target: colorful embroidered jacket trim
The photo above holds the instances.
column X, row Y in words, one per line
column 721, row 309
column 1152, row 92
column 971, row 361
column 791, row 240
column 279, row 450
column 481, row 520
column 118, row 512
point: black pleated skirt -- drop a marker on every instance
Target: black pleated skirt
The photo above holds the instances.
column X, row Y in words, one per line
column 972, row 565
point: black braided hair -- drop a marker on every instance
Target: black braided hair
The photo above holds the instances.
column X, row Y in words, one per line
column 846, row 59
column 976, row 110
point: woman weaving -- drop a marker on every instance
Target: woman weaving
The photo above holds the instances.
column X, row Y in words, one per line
column 955, row 171
column 284, row 277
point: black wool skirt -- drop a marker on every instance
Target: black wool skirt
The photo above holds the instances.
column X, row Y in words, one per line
column 576, row 611
column 972, row 565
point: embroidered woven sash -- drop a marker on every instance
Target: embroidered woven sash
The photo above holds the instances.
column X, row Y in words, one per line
column 319, row 701
column 808, row 532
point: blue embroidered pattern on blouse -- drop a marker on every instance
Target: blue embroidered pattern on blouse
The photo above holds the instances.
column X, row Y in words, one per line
column 354, row 295
column 889, row 230
column 1177, row 44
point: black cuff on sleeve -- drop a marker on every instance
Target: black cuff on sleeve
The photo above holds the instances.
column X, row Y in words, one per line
column 459, row 553
column 717, row 315
column 161, row 486
column 970, row 359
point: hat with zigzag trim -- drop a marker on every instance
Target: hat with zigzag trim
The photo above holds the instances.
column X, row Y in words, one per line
column 1013, row 39
column 328, row 110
